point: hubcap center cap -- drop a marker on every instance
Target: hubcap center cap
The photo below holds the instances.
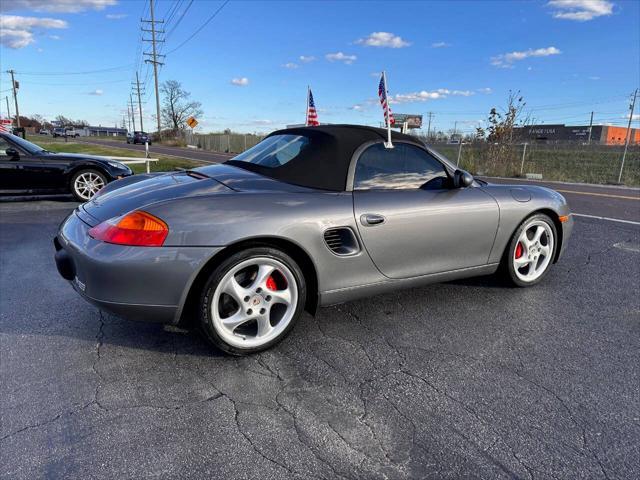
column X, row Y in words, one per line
column 257, row 300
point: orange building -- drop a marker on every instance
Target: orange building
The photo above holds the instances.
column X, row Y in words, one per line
column 618, row 136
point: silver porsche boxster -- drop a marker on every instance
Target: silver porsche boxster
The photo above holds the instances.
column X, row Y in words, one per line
column 308, row 217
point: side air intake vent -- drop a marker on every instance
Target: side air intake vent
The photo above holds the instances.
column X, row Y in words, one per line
column 341, row 241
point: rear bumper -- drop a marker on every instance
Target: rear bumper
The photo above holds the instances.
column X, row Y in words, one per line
column 138, row 283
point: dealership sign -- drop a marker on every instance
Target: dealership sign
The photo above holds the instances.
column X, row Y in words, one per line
column 412, row 121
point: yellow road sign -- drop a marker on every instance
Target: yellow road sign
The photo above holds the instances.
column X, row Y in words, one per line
column 192, row 122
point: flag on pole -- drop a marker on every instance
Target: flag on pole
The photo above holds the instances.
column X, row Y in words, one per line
column 382, row 93
column 384, row 101
column 312, row 114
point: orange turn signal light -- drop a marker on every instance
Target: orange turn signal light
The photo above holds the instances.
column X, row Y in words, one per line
column 564, row 218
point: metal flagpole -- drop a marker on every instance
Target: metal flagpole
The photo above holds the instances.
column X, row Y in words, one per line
column 386, row 113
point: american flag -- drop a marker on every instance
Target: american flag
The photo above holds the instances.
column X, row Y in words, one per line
column 5, row 125
column 312, row 115
column 382, row 93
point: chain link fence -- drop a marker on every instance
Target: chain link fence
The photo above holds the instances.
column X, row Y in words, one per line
column 223, row 142
column 561, row 162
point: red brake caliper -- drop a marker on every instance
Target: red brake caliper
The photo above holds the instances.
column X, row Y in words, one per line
column 519, row 251
column 271, row 283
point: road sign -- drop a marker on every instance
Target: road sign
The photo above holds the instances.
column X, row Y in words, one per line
column 192, row 122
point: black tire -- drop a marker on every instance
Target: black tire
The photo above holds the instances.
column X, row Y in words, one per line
column 75, row 176
column 206, row 323
column 508, row 269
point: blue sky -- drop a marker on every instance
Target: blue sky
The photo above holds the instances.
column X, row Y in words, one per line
column 251, row 64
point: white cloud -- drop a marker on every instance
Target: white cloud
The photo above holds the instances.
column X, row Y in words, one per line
column 58, row 6
column 506, row 60
column 18, row 32
column 376, row 74
column 96, row 92
column 356, row 108
column 485, row 90
column 341, row 57
column 384, row 40
column 240, row 82
column 307, row 58
column 594, row 78
column 54, row 37
column 116, row 16
column 261, row 122
column 440, row 45
column 580, row 10
column 290, row 65
column 636, row 116
column 425, row 95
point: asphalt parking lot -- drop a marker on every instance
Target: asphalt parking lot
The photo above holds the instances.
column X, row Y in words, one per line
column 464, row 379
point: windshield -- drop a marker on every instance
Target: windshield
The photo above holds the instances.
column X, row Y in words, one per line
column 31, row 148
column 274, row 151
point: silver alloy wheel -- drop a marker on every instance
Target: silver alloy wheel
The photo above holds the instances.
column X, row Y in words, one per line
column 87, row 184
column 533, row 251
column 245, row 311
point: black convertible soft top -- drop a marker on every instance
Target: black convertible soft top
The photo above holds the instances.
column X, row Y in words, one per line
column 325, row 163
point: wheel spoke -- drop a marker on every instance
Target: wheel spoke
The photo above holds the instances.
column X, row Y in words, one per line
column 264, row 326
column 236, row 319
column 264, row 272
column 545, row 250
column 522, row 261
column 537, row 234
column 236, row 291
column 281, row 296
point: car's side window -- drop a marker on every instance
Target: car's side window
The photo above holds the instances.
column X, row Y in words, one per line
column 403, row 167
column 3, row 147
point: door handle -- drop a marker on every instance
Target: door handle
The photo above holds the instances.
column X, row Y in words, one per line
column 369, row 219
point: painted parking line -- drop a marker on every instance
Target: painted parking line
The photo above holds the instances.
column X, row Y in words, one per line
column 608, row 195
column 595, row 217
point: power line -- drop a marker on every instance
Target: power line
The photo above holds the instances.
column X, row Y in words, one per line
column 87, row 72
column 179, row 20
column 199, row 28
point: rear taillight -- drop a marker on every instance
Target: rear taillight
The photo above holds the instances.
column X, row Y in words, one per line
column 136, row 228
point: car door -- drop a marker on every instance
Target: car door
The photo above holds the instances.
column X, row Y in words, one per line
column 19, row 172
column 410, row 218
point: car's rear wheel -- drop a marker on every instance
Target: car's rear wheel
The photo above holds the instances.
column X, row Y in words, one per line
column 86, row 183
column 252, row 300
column 531, row 251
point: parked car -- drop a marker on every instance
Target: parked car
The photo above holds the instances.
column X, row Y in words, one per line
column 310, row 216
column 24, row 166
column 58, row 132
column 138, row 137
column 71, row 132
column 44, row 131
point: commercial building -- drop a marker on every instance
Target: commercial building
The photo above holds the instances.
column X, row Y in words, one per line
column 600, row 134
column 102, row 131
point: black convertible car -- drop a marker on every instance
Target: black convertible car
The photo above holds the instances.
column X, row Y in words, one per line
column 25, row 166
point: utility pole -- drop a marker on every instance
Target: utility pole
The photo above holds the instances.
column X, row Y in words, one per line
column 137, row 85
column 15, row 97
column 154, row 56
column 590, row 127
column 133, row 111
column 8, row 109
column 430, row 115
column 626, row 144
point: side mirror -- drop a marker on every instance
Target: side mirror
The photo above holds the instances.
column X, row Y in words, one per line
column 462, row 179
column 12, row 153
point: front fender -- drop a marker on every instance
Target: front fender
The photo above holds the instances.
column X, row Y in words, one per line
column 516, row 203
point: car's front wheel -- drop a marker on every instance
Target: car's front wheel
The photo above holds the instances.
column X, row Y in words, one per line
column 86, row 183
column 531, row 251
column 252, row 300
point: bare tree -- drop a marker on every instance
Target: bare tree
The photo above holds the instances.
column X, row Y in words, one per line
column 502, row 152
column 177, row 106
